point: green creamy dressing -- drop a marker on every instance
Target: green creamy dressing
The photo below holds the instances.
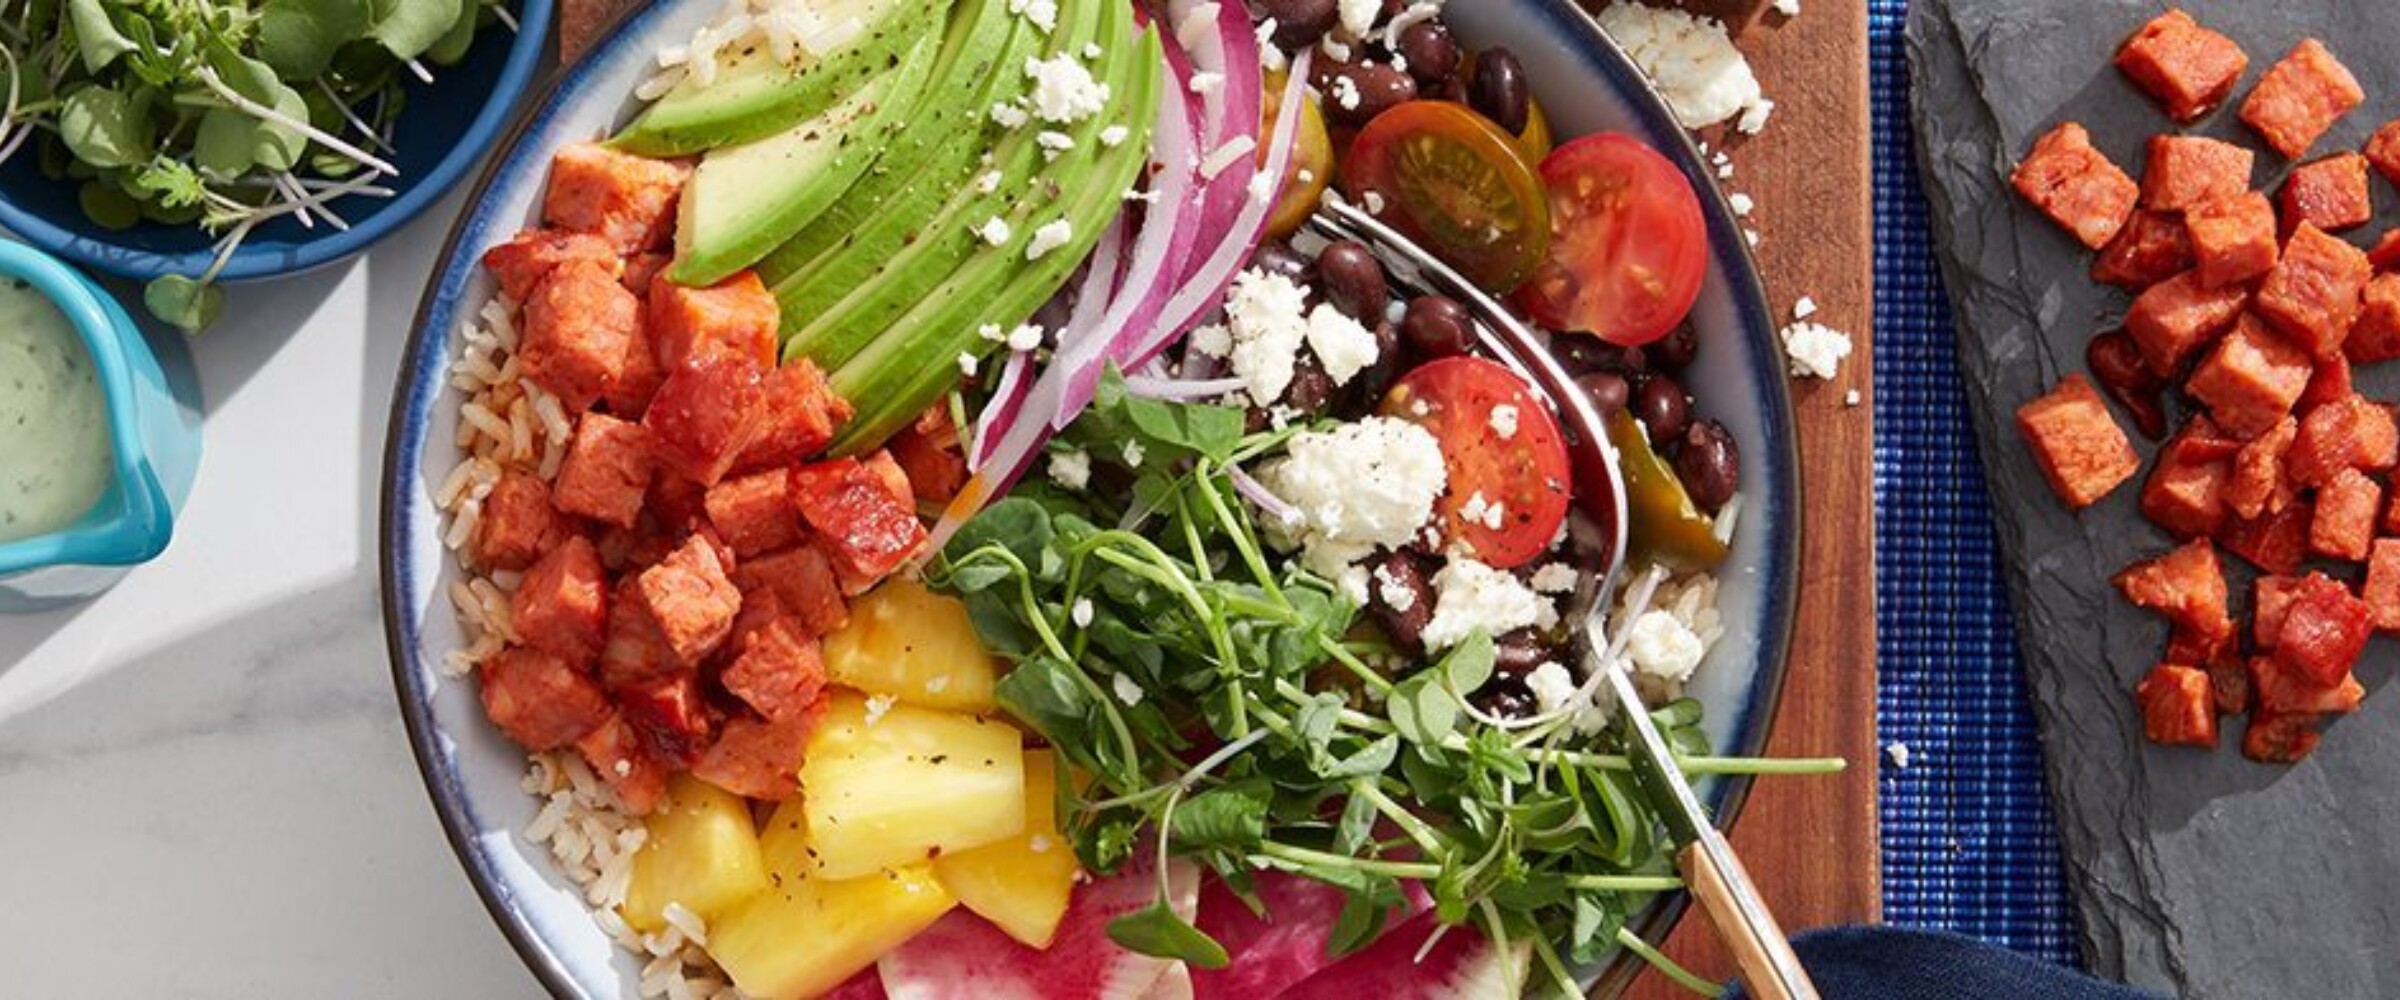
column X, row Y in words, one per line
column 54, row 452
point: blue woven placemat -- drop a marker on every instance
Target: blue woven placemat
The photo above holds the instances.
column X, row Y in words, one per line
column 1968, row 844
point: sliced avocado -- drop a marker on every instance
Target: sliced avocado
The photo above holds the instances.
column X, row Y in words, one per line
column 833, row 311
column 745, row 200
column 753, row 96
column 914, row 362
column 934, row 156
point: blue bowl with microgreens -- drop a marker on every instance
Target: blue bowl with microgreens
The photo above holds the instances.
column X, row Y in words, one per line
column 444, row 121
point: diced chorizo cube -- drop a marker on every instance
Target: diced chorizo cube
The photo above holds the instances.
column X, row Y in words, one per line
column 672, row 716
column 2116, row 362
column 2153, row 247
column 2383, row 151
column 2187, row 586
column 2300, row 97
column 2391, row 515
column 2375, row 334
column 704, row 416
column 578, row 326
column 2280, row 739
column 757, row 758
column 804, row 584
column 2185, row 493
column 2312, row 293
column 2173, row 319
column 692, row 601
column 629, row 395
column 606, row 472
column 2385, row 254
column 517, row 523
column 2250, row 379
column 2324, row 629
column 2330, row 383
column 2344, row 522
column 2330, row 194
column 778, row 671
column 521, row 263
column 539, row 700
column 2270, row 599
column 617, row 754
column 2348, row 433
column 802, row 413
column 736, row 317
column 2186, row 68
column 755, row 513
column 636, row 652
column 627, row 200
column 2276, row 541
column 642, row 269
column 561, row 607
column 2284, row 691
column 2077, row 443
column 868, row 523
column 2382, row 589
column 2258, row 485
column 2178, row 708
column 676, row 503
column 2193, row 649
column 2076, row 185
column 2219, row 656
column 2233, row 239
column 2229, row 682
column 2186, row 171
column 930, row 452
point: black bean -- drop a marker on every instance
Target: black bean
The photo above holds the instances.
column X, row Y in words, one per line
column 1499, row 89
column 1404, row 626
column 1311, row 387
column 1709, row 464
column 1350, row 278
column 1506, row 697
column 1583, row 353
column 1391, row 356
column 1298, row 23
column 1437, row 326
column 1431, row 53
column 1372, row 89
column 1675, row 351
column 1278, row 257
column 1518, row 653
column 1663, row 408
column 1609, row 390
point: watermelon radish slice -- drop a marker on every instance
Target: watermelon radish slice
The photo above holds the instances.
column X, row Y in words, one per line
column 864, row 986
column 1284, row 947
column 963, row 957
column 1176, row 984
column 1462, row 966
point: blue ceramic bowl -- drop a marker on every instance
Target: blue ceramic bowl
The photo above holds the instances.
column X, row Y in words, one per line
column 445, row 128
column 155, row 449
column 473, row 773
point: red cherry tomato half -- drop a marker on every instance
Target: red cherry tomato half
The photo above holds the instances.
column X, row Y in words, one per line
column 1627, row 245
column 1501, row 446
column 1452, row 181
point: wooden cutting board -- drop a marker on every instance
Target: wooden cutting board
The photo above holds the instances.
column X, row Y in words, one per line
column 1811, row 842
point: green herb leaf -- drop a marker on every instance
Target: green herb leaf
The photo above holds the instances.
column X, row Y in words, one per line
column 1159, row 933
column 105, row 128
column 274, row 145
column 1362, row 918
column 108, row 205
column 298, row 38
column 407, row 28
column 185, row 303
column 1224, row 819
column 97, row 40
column 454, row 44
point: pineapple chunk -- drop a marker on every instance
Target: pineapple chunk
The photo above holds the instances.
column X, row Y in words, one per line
column 806, row 935
column 701, row 852
column 915, row 645
column 907, row 784
column 1020, row 884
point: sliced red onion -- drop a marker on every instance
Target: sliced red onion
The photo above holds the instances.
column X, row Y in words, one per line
column 1206, row 283
column 1181, row 389
column 1261, row 497
column 1008, row 400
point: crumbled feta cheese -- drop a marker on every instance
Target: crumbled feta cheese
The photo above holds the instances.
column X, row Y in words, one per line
column 1470, row 595
column 1788, row 8
column 1211, row 340
column 1206, row 82
column 1358, row 16
column 1197, row 26
column 1554, row 578
column 1038, row 844
column 1081, row 612
column 1071, row 469
column 992, row 332
column 1691, row 59
column 1754, row 116
column 1725, row 171
column 1114, row 136
column 1269, row 322
column 1340, row 343
column 1555, row 690
column 1227, row 155
column 1740, row 202
column 1009, row 115
column 1345, row 93
column 1750, row 236
column 1334, row 49
column 1352, row 581
column 1092, row 50
column 988, row 183
column 1662, row 646
column 1478, row 510
column 1815, row 350
column 877, row 706
column 967, row 364
column 1374, row 202
column 1126, row 690
column 1356, row 487
column 1025, row 337
column 1054, row 142
column 1064, row 91
column 1804, row 308
column 1395, row 592
column 1850, row 398
column 1043, row 13
column 1504, row 421
column 1898, row 752
column 995, row 231
column 1133, row 454
column 1051, row 236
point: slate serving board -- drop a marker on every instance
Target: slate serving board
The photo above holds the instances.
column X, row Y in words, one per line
column 2202, row 874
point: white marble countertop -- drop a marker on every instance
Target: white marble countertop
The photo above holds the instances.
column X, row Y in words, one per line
column 205, row 790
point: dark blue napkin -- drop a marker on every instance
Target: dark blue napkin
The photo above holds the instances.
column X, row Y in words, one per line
column 1891, row 963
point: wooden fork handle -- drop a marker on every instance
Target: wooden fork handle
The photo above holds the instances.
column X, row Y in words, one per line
column 1769, row 969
